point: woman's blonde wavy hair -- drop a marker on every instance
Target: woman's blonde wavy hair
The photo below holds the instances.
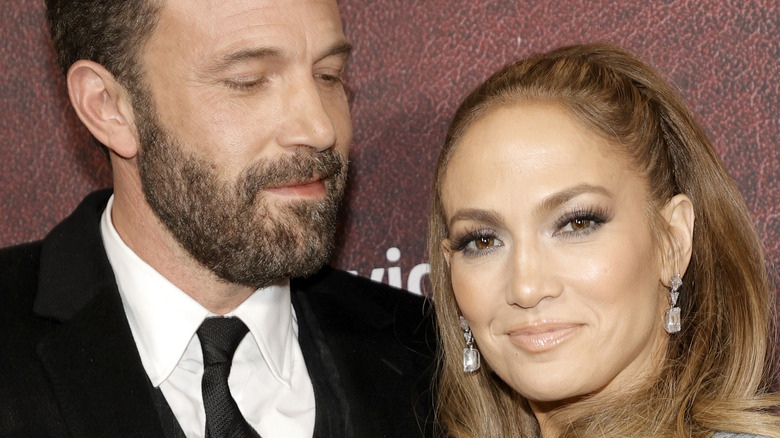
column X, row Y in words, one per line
column 719, row 370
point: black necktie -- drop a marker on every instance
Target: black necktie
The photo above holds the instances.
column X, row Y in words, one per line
column 219, row 338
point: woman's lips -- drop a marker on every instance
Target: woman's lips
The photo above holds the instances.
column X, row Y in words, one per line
column 304, row 189
column 540, row 337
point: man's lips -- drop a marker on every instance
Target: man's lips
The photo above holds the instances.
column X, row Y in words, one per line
column 542, row 336
column 309, row 188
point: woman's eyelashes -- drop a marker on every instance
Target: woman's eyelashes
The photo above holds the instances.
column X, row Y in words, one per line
column 477, row 242
column 574, row 224
column 581, row 222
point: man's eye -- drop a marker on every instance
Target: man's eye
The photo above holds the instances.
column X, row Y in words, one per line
column 333, row 79
column 245, row 84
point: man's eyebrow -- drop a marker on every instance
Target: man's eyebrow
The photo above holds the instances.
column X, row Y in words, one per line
column 488, row 217
column 340, row 49
column 557, row 199
column 230, row 58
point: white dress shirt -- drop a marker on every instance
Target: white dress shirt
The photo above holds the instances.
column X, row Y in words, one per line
column 268, row 379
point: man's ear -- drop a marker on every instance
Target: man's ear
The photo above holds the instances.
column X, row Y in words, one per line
column 103, row 105
column 678, row 247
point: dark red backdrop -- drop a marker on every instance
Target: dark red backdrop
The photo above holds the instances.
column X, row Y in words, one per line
column 413, row 60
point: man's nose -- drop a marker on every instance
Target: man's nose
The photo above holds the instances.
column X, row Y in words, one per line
column 307, row 120
column 533, row 278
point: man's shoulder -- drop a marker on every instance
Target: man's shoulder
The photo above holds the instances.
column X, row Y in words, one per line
column 19, row 256
column 25, row 397
column 329, row 278
column 377, row 303
column 354, row 308
column 25, row 267
column 19, row 266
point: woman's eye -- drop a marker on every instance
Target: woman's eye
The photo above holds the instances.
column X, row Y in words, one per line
column 476, row 244
column 581, row 223
column 484, row 242
column 578, row 224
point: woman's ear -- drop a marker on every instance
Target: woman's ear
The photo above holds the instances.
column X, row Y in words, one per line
column 103, row 105
column 679, row 216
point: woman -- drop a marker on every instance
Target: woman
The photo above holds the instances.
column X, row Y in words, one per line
column 587, row 241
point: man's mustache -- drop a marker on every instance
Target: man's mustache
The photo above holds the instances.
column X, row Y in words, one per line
column 289, row 169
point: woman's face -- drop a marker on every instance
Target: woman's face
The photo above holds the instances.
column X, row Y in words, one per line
column 551, row 253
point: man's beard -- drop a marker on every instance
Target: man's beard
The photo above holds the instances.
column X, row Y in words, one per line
column 232, row 228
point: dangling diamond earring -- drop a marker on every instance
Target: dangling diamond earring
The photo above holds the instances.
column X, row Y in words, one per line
column 672, row 316
column 471, row 359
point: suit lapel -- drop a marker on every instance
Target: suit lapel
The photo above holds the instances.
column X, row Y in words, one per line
column 332, row 407
column 331, row 326
column 90, row 357
column 375, row 363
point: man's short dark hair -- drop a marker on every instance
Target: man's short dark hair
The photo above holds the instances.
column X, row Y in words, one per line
column 109, row 32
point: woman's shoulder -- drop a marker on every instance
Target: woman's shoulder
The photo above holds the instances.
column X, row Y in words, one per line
column 736, row 435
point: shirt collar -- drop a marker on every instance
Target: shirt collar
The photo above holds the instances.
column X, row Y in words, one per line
column 162, row 334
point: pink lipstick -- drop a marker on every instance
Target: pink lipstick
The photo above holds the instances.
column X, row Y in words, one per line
column 542, row 336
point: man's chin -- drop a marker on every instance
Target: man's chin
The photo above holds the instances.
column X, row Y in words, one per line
column 297, row 263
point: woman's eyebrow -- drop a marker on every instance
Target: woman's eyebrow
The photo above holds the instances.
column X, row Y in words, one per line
column 557, row 199
column 488, row 217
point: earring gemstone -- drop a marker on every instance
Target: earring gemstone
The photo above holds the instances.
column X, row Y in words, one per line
column 675, row 282
column 471, row 359
column 672, row 320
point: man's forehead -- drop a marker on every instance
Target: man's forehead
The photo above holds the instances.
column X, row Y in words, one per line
column 221, row 18
column 216, row 28
column 222, row 8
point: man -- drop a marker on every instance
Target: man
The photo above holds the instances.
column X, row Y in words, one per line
column 192, row 300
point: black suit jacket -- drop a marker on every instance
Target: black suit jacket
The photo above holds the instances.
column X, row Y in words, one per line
column 69, row 365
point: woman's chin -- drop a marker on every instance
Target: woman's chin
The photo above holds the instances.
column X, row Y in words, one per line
column 551, row 392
